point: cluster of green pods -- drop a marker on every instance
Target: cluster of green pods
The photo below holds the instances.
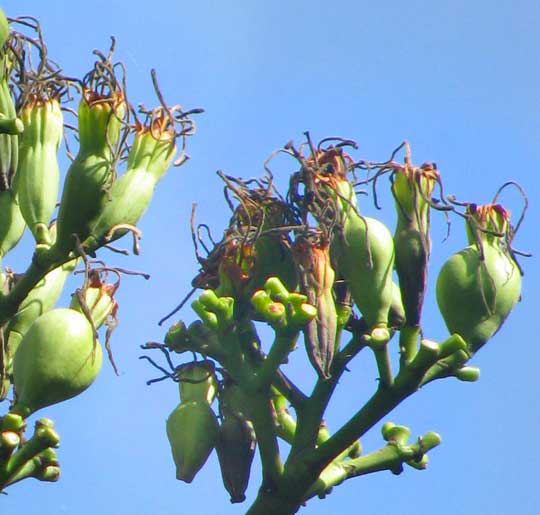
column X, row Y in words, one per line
column 194, row 431
column 345, row 263
column 49, row 354
column 310, row 263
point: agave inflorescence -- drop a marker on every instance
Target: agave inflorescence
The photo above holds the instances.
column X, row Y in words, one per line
column 311, row 262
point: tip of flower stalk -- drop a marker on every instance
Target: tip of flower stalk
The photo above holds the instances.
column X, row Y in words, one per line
column 468, row 374
column 420, row 464
column 21, row 410
column 379, row 336
column 12, row 421
column 9, row 440
column 276, row 311
column 430, row 440
column 47, row 436
column 276, row 289
column 49, row 474
column 395, row 433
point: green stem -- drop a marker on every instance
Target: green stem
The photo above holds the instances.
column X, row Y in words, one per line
column 21, row 461
column 273, row 503
column 446, row 367
column 387, row 458
column 290, row 391
column 310, row 417
column 282, row 346
column 261, row 414
column 378, row 406
column 382, row 357
column 9, row 304
column 234, row 359
column 27, row 469
column 408, row 339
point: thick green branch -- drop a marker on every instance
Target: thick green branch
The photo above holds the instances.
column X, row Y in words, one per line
column 311, row 415
column 290, row 391
column 381, row 403
column 391, row 457
column 280, row 349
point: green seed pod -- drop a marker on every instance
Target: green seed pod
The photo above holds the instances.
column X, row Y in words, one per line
column 56, row 360
column 12, row 223
column 38, row 173
column 197, row 382
column 90, row 175
column 362, row 248
column 364, row 255
column 235, row 448
column 151, row 155
column 476, row 292
column 478, row 287
column 395, row 433
column 192, row 430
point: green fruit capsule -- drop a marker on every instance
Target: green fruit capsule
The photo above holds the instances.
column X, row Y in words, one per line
column 235, row 448
column 12, row 223
column 198, row 382
column 362, row 248
column 90, row 175
column 38, row 173
column 476, row 295
column 151, row 155
column 192, row 430
column 56, row 360
column 364, row 255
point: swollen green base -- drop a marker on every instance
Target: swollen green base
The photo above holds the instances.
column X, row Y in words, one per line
column 476, row 296
column 56, row 360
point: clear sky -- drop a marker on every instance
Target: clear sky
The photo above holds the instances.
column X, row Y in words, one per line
column 458, row 80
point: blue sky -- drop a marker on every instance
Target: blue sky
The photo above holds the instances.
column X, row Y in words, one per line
column 458, row 80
